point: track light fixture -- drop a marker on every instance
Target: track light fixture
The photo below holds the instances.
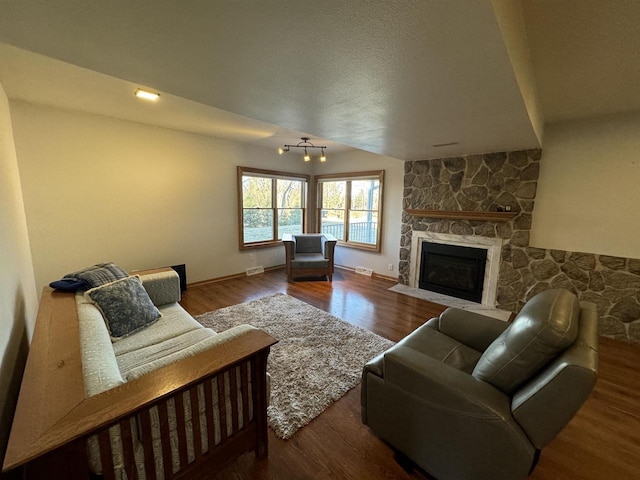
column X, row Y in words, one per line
column 305, row 144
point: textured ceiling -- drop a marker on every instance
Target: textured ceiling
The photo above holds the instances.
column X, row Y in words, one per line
column 393, row 77
column 34, row 78
column 586, row 56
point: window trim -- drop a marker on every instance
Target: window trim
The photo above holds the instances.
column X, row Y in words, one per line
column 349, row 177
column 272, row 174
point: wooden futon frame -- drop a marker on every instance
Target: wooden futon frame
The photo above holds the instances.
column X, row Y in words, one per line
column 54, row 417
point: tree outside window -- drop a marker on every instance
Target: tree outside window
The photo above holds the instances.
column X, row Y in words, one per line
column 350, row 208
column 270, row 204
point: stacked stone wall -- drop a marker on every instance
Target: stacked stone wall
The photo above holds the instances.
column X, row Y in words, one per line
column 509, row 179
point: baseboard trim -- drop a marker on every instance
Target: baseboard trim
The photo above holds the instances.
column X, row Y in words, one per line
column 374, row 274
column 385, row 277
column 228, row 277
column 277, row 267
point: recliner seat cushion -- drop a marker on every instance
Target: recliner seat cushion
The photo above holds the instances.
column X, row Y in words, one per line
column 442, row 348
column 546, row 326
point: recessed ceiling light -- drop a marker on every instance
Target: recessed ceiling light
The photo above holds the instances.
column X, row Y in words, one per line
column 140, row 93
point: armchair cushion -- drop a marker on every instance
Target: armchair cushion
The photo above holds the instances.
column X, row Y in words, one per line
column 546, row 326
column 309, row 260
column 308, row 243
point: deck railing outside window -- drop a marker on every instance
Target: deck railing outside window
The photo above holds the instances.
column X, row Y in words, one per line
column 360, row 232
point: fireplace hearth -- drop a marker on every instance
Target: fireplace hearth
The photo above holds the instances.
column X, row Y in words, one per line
column 453, row 270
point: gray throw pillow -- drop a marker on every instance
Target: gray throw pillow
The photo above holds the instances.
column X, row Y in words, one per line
column 125, row 306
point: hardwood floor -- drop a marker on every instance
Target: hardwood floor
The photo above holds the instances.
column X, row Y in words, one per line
column 601, row 442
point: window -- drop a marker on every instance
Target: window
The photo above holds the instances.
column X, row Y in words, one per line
column 270, row 204
column 350, row 208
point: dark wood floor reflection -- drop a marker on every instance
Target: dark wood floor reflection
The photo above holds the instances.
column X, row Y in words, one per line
column 602, row 442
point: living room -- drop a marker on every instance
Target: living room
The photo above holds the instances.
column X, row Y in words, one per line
column 76, row 182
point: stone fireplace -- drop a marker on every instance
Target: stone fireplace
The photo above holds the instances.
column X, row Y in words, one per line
column 474, row 184
column 480, row 185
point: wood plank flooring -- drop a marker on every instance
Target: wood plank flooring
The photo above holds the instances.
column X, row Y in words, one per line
column 601, row 442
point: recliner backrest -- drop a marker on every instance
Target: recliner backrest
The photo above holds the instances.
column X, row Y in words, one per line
column 546, row 326
column 545, row 404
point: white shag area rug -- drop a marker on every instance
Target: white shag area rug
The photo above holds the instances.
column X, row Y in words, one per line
column 317, row 360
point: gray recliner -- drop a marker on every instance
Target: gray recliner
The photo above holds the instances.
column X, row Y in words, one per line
column 309, row 254
column 470, row 397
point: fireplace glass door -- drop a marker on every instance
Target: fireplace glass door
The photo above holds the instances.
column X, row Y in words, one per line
column 453, row 270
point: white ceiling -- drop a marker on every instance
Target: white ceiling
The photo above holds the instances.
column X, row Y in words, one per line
column 393, row 77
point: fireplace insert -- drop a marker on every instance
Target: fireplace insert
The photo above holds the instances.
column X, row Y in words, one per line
column 453, row 270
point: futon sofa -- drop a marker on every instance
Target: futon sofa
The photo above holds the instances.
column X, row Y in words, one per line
column 174, row 336
column 168, row 399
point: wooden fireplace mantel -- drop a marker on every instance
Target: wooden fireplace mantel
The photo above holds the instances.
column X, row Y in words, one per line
column 464, row 215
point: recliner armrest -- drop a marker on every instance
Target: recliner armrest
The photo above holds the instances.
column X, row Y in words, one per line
column 473, row 329
column 442, row 386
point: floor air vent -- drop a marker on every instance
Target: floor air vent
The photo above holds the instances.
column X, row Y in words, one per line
column 254, row 270
column 364, row 271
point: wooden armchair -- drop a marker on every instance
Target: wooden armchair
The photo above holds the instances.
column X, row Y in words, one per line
column 309, row 254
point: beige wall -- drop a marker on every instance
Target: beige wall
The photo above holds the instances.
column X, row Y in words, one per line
column 99, row 189
column 18, row 297
column 358, row 161
column 588, row 190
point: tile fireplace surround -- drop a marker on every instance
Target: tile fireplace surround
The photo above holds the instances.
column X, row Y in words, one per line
column 484, row 183
column 493, row 246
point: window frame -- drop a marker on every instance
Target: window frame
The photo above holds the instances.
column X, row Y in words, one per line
column 348, row 178
column 274, row 176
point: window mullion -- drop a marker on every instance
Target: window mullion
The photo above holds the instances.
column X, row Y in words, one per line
column 347, row 206
column 319, row 199
column 274, row 207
